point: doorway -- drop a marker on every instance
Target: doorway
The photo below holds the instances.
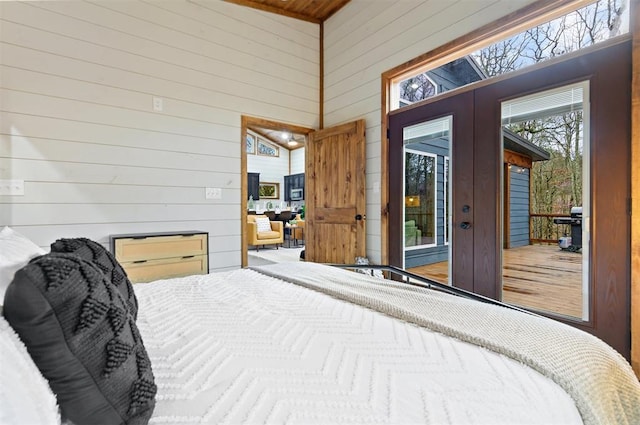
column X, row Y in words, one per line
column 478, row 172
column 266, row 159
column 334, row 190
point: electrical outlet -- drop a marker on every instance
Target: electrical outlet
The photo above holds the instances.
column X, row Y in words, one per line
column 12, row 187
column 213, row 193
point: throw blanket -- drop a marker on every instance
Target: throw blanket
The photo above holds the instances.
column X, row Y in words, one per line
column 599, row 379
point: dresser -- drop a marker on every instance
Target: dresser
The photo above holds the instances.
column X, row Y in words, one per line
column 151, row 256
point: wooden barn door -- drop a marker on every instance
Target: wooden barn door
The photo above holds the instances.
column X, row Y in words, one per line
column 335, row 194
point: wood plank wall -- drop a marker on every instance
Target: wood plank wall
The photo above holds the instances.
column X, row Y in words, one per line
column 635, row 190
column 78, row 126
column 364, row 40
column 271, row 168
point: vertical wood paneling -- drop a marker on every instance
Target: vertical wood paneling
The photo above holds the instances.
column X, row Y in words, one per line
column 635, row 189
column 77, row 122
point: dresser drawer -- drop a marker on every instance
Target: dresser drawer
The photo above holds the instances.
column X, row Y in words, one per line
column 158, row 247
column 148, row 270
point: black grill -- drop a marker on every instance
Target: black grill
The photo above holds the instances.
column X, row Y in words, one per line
column 573, row 243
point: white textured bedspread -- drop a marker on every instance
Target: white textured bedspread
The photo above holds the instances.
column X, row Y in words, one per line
column 243, row 347
column 600, row 380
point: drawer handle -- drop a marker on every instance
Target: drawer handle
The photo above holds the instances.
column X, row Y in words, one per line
column 188, row 256
column 140, row 261
column 139, row 237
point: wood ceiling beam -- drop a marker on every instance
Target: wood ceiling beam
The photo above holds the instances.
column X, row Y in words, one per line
column 277, row 10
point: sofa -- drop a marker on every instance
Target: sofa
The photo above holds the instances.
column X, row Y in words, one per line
column 262, row 231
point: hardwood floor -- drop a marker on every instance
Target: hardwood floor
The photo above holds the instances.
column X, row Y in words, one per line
column 540, row 277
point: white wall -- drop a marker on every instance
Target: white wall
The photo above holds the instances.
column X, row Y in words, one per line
column 367, row 38
column 77, row 124
column 297, row 161
column 272, row 170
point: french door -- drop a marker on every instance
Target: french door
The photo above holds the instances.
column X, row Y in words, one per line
column 478, row 174
column 443, row 131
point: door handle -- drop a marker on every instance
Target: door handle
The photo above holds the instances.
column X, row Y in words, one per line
column 465, row 225
column 360, row 217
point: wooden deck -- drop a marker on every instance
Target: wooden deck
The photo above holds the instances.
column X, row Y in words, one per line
column 541, row 277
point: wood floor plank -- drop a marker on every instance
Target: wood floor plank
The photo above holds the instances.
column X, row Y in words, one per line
column 539, row 277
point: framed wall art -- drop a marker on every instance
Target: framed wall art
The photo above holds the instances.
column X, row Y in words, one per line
column 269, row 190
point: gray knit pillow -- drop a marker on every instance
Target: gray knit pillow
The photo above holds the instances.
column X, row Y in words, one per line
column 81, row 335
column 97, row 254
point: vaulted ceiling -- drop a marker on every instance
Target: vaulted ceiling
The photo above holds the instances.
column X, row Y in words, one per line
column 315, row 11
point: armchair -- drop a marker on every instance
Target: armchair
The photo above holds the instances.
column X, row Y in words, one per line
column 262, row 231
column 412, row 235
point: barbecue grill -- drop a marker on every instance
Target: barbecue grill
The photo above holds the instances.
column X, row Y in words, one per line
column 571, row 243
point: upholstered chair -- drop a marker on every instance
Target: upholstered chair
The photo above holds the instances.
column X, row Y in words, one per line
column 262, row 231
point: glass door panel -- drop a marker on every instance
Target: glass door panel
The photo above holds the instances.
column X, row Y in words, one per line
column 545, row 258
column 427, row 220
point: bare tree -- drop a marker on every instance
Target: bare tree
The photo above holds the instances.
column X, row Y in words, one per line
column 417, row 88
column 556, row 184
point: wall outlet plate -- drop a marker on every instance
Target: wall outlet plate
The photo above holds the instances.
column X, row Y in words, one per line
column 158, row 104
column 12, row 187
column 213, row 193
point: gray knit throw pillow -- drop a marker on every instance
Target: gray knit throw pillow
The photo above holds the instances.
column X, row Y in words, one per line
column 80, row 333
column 97, row 254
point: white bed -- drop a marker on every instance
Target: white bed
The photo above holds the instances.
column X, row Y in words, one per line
column 247, row 347
column 290, row 343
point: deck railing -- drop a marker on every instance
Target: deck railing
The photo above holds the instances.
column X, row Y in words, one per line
column 544, row 230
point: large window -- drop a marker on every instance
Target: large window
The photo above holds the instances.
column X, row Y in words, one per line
column 426, row 183
column 557, row 203
column 420, row 190
column 589, row 25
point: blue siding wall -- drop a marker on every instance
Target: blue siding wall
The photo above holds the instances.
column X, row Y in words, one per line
column 519, row 207
column 420, row 257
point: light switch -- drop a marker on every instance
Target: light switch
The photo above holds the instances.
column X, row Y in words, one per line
column 12, row 187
